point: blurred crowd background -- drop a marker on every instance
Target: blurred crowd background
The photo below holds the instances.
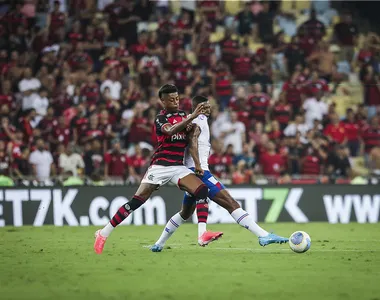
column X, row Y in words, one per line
column 293, row 87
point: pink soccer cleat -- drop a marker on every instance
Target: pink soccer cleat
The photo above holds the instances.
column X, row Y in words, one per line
column 99, row 242
column 208, row 237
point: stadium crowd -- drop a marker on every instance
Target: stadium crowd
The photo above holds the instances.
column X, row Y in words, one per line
column 293, row 88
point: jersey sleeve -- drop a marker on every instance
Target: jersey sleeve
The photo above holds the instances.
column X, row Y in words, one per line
column 160, row 121
column 201, row 121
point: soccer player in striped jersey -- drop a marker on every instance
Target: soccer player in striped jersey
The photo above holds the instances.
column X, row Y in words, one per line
column 217, row 191
column 174, row 135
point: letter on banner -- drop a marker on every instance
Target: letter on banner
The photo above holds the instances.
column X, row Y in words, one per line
column 337, row 209
column 98, row 203
column 155, row 204
column 62, row 207
column 44, row 196
column 17, row 197
column 366, row 207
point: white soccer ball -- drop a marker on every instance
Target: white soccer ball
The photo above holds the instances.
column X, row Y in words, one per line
column 299, row 241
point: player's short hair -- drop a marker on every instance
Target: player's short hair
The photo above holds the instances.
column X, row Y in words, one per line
column 167, row 89
column 198, row 99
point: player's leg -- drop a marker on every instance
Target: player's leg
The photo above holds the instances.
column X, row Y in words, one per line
column 144, row 191
column 244, row 219
column 188, row 181
column 188, row 207
column 202, row 215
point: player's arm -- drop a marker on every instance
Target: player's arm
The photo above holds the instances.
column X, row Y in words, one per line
column 193, row 148
column 169, row 129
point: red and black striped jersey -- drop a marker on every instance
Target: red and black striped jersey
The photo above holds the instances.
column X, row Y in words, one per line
column 170, row 149
column 281, row 113
column 371, row 138
column 259, row 103
column 57, row 21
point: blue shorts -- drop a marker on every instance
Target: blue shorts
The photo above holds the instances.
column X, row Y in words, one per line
column 213, row 185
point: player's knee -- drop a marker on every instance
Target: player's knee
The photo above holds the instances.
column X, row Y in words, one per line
column 201, row 192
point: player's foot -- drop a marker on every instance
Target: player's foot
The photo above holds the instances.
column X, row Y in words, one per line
column 99, row 242
column 156, row 248
column 272, row 239
column 207, row 237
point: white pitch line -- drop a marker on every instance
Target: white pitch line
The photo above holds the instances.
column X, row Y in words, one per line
column 175, row 246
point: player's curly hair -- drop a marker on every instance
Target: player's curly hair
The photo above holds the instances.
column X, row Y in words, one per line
column 198, row 99
column 167, row 89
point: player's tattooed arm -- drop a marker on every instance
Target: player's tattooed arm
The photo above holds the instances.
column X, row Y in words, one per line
column 193, row 148
column 169, row 129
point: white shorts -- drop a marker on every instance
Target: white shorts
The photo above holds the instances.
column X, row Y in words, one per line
column 161, row 175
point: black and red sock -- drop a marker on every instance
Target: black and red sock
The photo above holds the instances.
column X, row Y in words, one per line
column 125, row 210
column 202, row 211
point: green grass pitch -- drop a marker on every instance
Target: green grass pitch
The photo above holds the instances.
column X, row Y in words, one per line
column 59, row 263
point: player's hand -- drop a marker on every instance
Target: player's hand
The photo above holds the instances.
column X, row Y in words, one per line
column 198, row 110
column 198, row 171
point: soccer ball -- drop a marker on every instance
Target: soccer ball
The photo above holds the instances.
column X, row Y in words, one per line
column 299, row 242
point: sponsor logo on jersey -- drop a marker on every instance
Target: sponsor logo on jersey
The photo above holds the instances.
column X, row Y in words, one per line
column 180, row 136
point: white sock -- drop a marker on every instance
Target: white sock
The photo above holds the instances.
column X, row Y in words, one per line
column 170, row 227
column 106, row 231
column 245, row 220
column 201, row 228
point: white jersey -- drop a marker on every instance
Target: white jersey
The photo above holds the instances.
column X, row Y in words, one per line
column 204, row 145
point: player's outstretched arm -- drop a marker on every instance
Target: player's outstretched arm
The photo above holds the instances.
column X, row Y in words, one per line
column 169, row 129
column 193, row 148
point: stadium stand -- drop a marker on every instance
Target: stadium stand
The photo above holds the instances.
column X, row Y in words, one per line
column 293, row 87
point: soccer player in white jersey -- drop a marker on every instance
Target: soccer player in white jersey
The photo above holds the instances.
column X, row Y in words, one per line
column 217, row 191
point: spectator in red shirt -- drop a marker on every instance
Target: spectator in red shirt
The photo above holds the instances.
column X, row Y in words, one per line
column 182, row 71
column 352, row 130
column 220, row 164
column 139, row 128
column 80, row 60
column 186, row 103
column 6, row 96
column 61, row 134
column 272, row 163
column 241, row 66
column 292, row 90
column 90, row 91
column 242, row 175
column 335, row 131
column 315, row 85
column 75, row 35
column 26, row 126
column 275, row 134
column 312, row 162
column 282, row 112
column 136, row 165
column 259, row 103
column 48, row 123
column 141, row 48
column 6, row 130
column 313, row 28
column 93, row 131
column 56, row 21
column 229, row 48
column 371, row 82
column 371, row 135
column 115, row 161
column 15, row 18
